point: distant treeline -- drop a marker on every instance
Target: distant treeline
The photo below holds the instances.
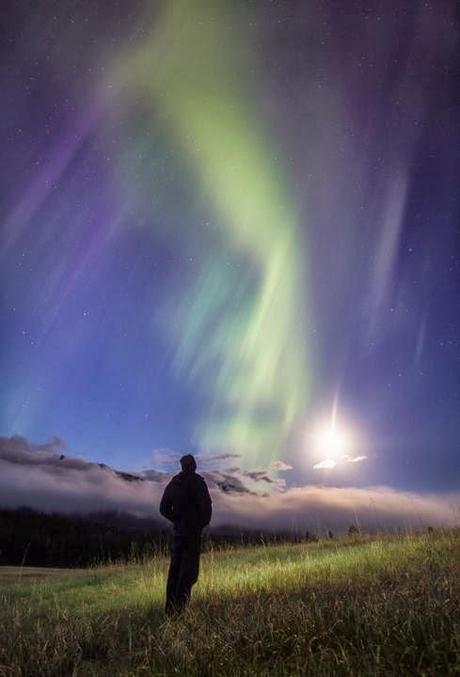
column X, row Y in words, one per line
column 32, row 538
column 39, row 539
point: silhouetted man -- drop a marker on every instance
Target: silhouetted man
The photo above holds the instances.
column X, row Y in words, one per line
column 187, row 504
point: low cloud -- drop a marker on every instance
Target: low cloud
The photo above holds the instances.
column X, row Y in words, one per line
column 44, row 478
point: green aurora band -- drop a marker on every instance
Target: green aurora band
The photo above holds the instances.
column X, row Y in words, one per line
column 241, row 324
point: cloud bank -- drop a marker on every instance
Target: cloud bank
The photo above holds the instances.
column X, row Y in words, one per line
column 42, row 477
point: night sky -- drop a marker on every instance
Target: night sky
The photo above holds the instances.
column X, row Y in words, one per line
column 225, row 224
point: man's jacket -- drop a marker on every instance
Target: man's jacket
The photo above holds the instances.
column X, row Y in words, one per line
column 186, row 503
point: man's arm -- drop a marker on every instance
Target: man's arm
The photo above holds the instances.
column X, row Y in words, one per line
column 204, row 504
column 166, row 504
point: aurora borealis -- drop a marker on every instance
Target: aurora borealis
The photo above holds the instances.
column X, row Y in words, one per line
column 253, row 365
column 222, row 221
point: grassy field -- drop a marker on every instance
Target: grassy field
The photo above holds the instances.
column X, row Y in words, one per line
column 387, row 606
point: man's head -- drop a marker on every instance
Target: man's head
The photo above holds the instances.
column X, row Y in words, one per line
column 188, row 463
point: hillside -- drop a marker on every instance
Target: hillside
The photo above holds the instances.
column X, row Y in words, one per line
column 386, row 606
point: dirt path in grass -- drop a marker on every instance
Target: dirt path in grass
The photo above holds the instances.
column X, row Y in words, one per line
column 11, row 575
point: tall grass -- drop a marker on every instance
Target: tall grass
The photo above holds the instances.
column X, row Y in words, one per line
column 366, row 607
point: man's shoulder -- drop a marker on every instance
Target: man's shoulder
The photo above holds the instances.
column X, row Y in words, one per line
column 200, row 480
column 174, row 482
column 186, row 480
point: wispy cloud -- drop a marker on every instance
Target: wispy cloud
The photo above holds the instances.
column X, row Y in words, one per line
column 220, row 457
column 329, row 463
column 280, row 466
column 326, row 464
column 166, row 458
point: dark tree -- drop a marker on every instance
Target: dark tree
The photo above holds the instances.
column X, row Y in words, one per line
column 353, row 530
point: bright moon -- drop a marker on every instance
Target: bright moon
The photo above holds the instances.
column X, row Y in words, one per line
column 332, row 443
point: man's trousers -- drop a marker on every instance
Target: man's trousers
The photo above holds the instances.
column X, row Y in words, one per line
column 183, row 570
